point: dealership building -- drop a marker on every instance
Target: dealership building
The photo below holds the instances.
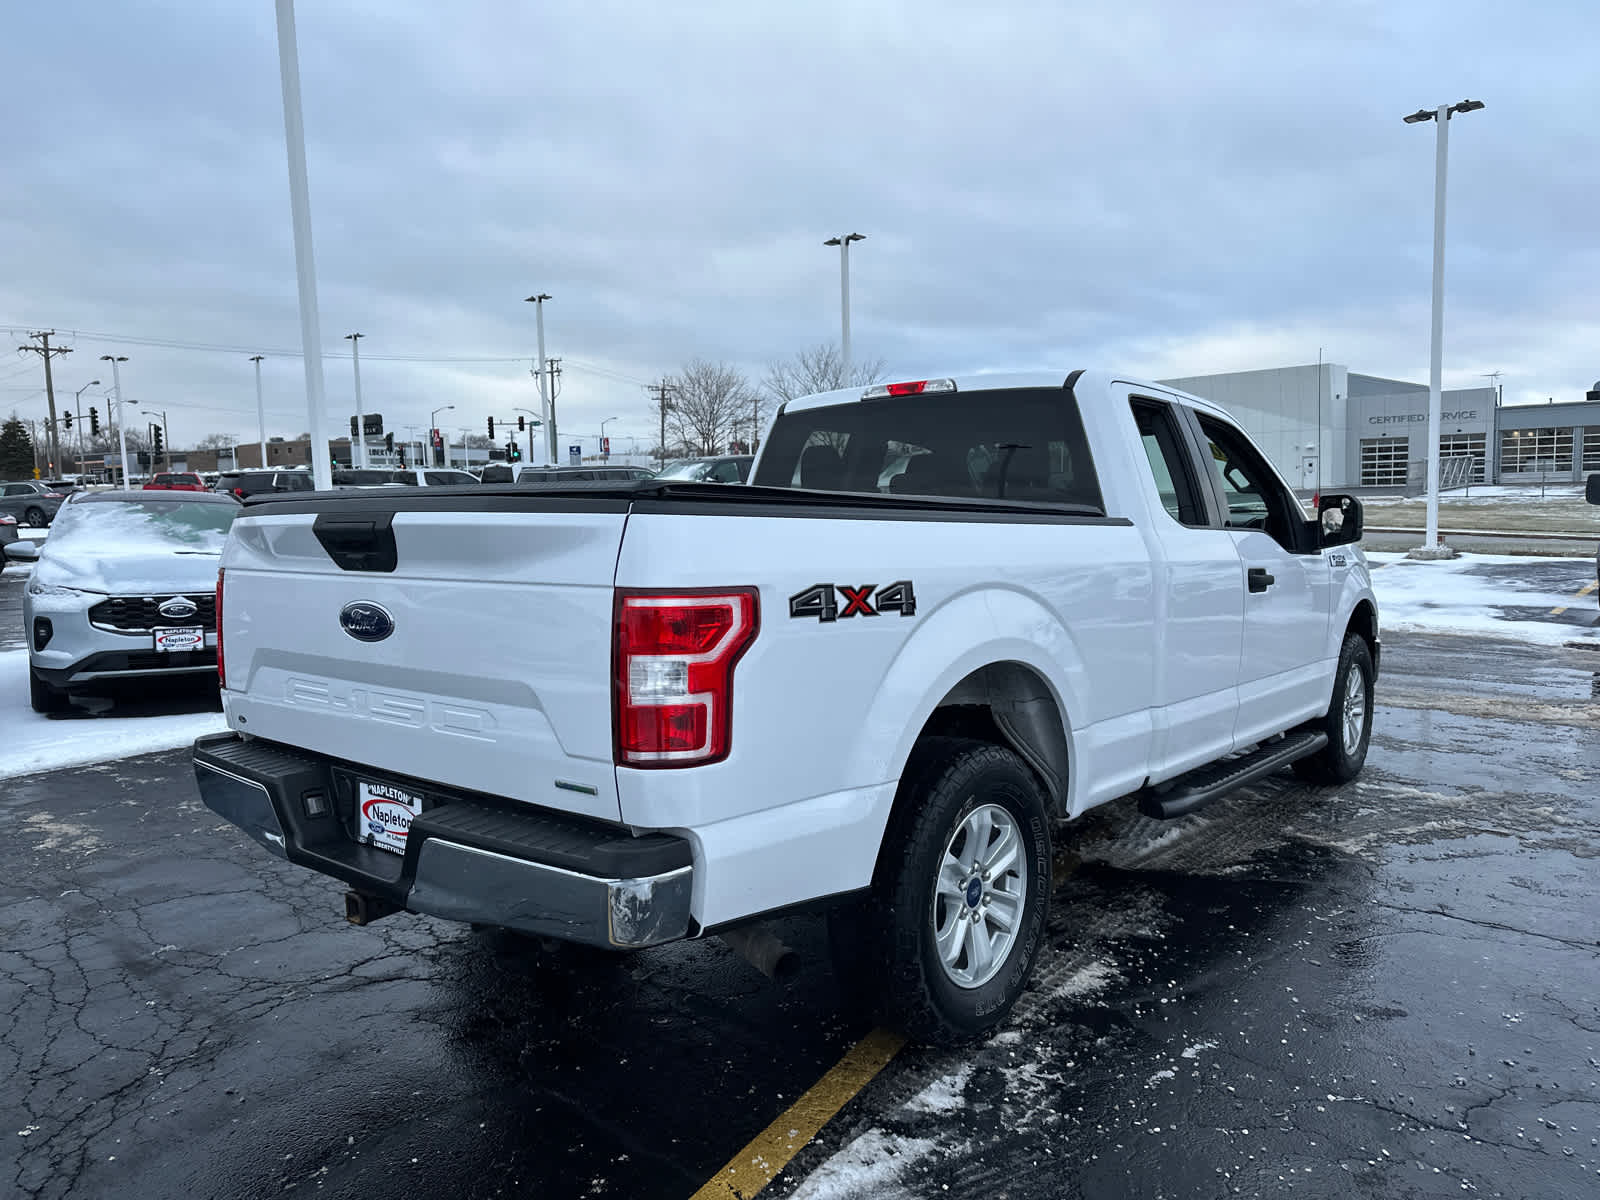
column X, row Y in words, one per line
column 1325, row 425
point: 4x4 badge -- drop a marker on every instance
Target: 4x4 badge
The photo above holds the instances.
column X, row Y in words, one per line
column 822, row 600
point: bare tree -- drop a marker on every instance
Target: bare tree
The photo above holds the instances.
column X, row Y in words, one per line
column 817, row 368
column 710, row 401
column 215, row 441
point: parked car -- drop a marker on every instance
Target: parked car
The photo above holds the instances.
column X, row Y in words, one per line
column 177, row 481
column 348, row 477
column 124, row 589
column 729, row 468
column 809, row 692
column 582, row 474
column 241, row 484
column 31, row 502
column 8, row 534
column 498, row 473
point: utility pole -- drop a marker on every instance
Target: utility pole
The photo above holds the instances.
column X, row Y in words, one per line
column 45, row 350
column 662, row 405
column 545, row 405
column 553, row 366
column 358, row 451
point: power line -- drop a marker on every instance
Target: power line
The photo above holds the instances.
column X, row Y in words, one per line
column 220, row 348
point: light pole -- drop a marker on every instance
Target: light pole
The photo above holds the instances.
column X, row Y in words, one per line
column 122, row 433
column 261, row 414
column 537, row 300
column 605, row 452
column 305, row 267
column 166, row 450
column 77, row 407
column 844, row 294
column 433, row 427
column 534, row 423
column 1441, row 116
column 358, row 448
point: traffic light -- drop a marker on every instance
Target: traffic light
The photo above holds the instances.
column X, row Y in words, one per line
column 513, row 452
column 66, row 419
column 522, row 424
column 155, row 438
column 94, row 421
column 388, row 442
column 491, row 429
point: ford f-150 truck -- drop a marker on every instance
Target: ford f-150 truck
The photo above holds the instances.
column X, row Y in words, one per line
column 944, row 618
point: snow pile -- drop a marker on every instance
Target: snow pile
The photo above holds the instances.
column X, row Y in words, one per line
column 33, row 742
column 944, row 1095
column 1447, row 597
column 869, row 1168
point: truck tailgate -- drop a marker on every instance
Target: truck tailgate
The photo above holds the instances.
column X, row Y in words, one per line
column 482, row 659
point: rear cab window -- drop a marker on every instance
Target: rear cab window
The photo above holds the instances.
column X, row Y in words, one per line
column 1022, row 444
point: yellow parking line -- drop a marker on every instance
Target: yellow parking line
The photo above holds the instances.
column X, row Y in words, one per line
column 1587, row 588
column 769, row 1151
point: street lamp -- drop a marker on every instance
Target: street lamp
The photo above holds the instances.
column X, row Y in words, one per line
column 1441, row 116
column 547, row 404
column 358, row 448
column 122, row 436
column 77, row 407
column 605, row 452
column 844, row 293
column 261, row 414
column 166, row 450
column 534, row 423
column 433, row 427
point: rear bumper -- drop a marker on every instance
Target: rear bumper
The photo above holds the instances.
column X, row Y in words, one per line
column 468, row 857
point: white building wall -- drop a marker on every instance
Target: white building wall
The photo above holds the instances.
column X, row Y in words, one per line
column 1297, row 415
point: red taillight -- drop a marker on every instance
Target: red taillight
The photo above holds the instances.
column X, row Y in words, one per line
column 675, row 653
column 911, row 387
column 55, row 495
column 239, row 492
column 222, row 674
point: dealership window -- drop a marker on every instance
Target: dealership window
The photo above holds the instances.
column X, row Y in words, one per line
column 1466, row 445
column 1591, row 450
column 1535, row 451
column 1383, row 461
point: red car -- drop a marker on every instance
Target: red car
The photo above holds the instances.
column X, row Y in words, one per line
column 176, row 481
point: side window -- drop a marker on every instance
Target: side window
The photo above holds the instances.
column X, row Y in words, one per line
column 1251, row 491
column 726, row 472
column 1169, row 461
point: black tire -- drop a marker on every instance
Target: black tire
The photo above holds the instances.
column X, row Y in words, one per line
column 44, row 697
column 948, row 780
column 35, row 517
column 1336, row 762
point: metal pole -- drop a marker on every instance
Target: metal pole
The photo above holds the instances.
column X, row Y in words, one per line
column 294, row 136
column 261, row 416
column 358, row 451
column 1436, row 359
column 166, row 443
column 844, row 304
column 122, row 433
column 544, row 387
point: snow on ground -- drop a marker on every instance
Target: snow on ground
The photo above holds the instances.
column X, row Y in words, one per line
column 1455, row 596
column 869, row 1168
column 30, row 742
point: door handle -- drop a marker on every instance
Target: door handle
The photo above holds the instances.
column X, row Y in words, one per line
column 1260, row 581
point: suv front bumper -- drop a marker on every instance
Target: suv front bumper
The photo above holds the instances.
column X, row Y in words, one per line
column 468, row 857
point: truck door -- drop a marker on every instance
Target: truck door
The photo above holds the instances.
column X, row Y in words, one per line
column 1285, row 676
column 1200, row 605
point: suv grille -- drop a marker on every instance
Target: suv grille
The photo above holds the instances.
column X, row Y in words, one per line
column 139, row 614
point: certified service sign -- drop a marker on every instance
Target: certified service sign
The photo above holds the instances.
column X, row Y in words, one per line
column 366, row 621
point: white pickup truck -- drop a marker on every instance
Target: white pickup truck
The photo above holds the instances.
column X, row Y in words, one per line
column 944, row 617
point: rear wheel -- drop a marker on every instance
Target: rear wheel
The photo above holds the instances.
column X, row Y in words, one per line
column 1349, row 720
column 44, row 697
column 962, row 890
column 34, row 517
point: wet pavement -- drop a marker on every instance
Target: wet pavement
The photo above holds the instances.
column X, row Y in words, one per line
column 1385, row 990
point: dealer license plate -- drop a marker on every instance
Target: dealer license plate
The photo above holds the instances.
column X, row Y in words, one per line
column 386, row 815
column 180, row 638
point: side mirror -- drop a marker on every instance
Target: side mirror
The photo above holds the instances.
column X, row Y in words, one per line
column 1591, row 490
column 22, row 551
column 1339, row 520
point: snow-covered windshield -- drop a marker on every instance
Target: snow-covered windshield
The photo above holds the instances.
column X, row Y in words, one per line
column 140, row 526
column 693, row 469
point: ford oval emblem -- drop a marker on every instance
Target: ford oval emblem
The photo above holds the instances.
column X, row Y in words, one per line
column 366, row 621
column 178, row 608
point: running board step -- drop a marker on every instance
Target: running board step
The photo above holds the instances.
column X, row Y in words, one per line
column 1205, row 784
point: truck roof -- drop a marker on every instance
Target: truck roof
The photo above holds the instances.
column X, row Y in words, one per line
column 1010, row 379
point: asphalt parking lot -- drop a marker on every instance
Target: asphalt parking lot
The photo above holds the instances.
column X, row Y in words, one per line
column 1386, row 990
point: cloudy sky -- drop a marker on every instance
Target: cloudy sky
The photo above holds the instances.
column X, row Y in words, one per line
column 1161, row 186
